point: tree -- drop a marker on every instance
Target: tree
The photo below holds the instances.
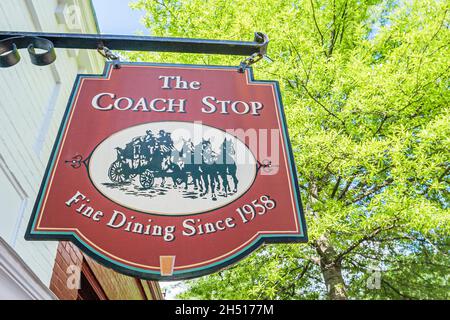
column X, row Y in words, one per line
column 365, row 86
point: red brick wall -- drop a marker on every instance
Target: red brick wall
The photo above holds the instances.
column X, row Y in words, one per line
column 106, row 282
column 67, row 255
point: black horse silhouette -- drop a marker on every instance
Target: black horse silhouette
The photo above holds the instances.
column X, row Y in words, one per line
column 186, row 158
column 226, row 166
column 207, row 167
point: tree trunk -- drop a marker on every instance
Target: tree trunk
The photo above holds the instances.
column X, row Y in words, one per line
column 331, row 270
column 333, row 280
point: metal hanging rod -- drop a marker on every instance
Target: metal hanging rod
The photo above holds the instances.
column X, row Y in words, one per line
column 10, row 42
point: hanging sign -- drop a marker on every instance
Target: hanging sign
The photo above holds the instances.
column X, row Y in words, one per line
column 170, row 171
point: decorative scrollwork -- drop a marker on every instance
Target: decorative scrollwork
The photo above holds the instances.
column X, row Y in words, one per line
column 76, row 161
column 9, row 53
column 266, row 165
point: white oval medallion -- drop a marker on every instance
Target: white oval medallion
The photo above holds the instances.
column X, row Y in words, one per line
column 172, row 168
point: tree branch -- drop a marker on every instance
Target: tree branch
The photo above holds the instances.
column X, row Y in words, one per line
column 315, row 22
column 368, row 237
column 336, row 186
column 397, row 291
column 385, row 117
column 347, row 186
column 371, row 191
column 321, row 104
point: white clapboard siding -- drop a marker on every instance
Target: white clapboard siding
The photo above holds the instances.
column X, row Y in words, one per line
column 32, row 103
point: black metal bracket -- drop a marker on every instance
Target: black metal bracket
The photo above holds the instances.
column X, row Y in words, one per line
column 9, row 53
column 256, row 56
column 11, row 42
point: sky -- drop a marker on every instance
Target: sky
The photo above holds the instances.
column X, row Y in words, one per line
column 116, row 17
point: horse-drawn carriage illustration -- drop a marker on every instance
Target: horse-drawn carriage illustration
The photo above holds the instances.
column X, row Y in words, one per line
column 146, row 156
column 154, row 156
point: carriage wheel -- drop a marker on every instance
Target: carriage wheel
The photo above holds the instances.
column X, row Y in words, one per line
column 147, row 179
column 116, row 172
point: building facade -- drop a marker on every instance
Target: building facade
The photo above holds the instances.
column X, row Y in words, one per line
column 32, row 103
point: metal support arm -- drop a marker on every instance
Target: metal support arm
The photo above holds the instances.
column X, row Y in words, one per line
column 10, row 42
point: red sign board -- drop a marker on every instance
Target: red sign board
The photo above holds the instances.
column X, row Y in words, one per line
column 170, row 171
